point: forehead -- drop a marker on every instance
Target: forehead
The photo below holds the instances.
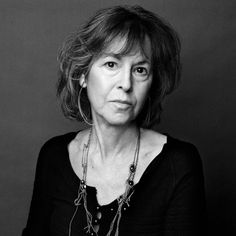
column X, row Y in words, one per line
column 121, row 47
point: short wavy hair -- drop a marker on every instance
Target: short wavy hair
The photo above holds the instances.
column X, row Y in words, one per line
column 133, row 23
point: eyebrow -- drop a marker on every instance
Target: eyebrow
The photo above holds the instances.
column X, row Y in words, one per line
column 118, row 56
column 111, row 54
column 143, row 62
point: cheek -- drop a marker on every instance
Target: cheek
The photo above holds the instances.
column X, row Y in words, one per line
column 92, row 88
column 97, row 90
column 94, row 95
column 142, row 93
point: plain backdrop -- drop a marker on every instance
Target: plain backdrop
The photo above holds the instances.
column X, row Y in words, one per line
column 201, row 111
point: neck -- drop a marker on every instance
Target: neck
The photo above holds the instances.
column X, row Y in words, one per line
column 113, row 141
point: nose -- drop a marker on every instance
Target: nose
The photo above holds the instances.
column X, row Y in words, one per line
column 125, row 80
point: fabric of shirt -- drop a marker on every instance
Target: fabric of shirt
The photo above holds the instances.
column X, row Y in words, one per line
column 168, row 200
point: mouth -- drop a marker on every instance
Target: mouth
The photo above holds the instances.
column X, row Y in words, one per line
column 122, row 104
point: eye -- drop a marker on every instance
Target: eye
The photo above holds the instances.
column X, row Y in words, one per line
column 141, row 71
column 111, row 64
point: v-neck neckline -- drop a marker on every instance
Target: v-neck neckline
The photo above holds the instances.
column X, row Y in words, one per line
column 93, row 189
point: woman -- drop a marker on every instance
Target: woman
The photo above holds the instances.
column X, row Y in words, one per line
column 118, row 177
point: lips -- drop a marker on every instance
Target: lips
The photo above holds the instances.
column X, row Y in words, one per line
column 122, row 101
column 122, row 104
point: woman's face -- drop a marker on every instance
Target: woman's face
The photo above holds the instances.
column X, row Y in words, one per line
column 117, row 86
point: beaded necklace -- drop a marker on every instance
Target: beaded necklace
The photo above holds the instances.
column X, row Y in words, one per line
column 122, row 200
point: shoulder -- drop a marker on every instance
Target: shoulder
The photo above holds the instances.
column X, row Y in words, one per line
column 180, row 154
column 183, row 156
column 58, row 142
column 52, row 160
column 54, row 148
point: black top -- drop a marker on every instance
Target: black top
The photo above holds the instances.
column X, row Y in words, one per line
column 168, row 200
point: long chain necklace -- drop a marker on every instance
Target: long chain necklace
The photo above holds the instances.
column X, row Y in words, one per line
column 122, row 200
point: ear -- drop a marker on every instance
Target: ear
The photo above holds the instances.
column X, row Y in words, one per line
column 82, row 81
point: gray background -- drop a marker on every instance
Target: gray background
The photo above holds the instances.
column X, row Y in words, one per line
column 202, row 110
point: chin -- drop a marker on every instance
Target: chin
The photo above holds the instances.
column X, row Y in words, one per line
column 119, row 121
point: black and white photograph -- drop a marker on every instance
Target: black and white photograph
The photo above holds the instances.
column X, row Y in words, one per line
column 117, row 118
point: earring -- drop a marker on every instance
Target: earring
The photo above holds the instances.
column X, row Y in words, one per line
column 82, row 81
column 86, row 120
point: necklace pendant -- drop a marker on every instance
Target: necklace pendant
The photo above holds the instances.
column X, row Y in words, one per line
column 120, row 199
column 130, row 182
column 132, row 168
